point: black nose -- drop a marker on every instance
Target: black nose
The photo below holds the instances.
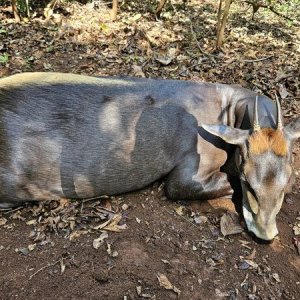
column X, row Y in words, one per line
column 260, row 241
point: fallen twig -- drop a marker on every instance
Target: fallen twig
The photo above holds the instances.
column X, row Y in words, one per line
column 95, row 198
column 258, row 59
column 190, row 67
column 43, row 268
column 10, row 210
column 198, row 45
column 271, row 8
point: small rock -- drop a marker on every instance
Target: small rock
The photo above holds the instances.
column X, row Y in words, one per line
column 125, row 206
column 210, row 262
column 243, row 266
column 200, row 220
column 24, row 251
column 139, row 290
column 101, row 276
column 276, row 277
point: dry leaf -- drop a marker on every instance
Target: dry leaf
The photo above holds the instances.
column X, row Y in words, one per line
column 251, row 263
column 244, row 282
column 230, row 224
column 100, row 240
column 31, row 222
column 250, row 54
column 62, row 266
column 139, row 290
column 252, row 255
column 297, row 244
column 276, row 277
column 136, row 17
column 111, row 252
column 112, row 224
column 296, row 229
column 221, row 294
column 31, row 247
column 282, row 91
column 138, row 71
column 164, row 282
column 3, row 221
column 200, row 220
column 179, row 210
column 77, row 234
column 165, row 261
column 125, row 206
column 164, row 60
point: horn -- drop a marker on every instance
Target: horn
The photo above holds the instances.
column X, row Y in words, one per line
column 279, row 123
column 256, row 126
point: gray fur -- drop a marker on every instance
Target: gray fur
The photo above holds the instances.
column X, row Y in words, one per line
column 65, row 135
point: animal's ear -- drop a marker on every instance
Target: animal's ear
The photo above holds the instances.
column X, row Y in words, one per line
column 229, row 134
column 292, row 130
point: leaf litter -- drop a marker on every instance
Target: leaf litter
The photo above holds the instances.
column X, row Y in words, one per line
column 230, row 224
column 164, row 282
column 71, row 219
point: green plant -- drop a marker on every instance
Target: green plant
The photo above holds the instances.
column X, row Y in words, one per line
column 4, row 58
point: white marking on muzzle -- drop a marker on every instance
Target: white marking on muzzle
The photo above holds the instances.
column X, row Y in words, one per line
column 268, row 233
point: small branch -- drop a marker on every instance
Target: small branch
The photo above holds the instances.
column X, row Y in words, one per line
column 10, row 210
column 258, row 59
column 190, row 67
column 271, row 8
column 160, row 7
column 198, row 45
column 43, row 268
column 95, row 198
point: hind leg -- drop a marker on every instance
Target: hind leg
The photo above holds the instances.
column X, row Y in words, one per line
column 8, row 194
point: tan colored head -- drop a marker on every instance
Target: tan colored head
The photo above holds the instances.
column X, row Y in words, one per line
column 265, row 166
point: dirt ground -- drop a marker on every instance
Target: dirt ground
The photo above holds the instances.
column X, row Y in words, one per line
column 141, row 245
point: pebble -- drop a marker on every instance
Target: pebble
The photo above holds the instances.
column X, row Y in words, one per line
column 243, row 265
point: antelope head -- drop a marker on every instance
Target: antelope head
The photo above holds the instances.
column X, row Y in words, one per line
column 265, row 167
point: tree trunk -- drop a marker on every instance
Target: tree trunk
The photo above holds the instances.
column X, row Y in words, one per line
column 220, row 33
column 160, row 6
column 114, row 10
column 15, row 10
column 219, row 16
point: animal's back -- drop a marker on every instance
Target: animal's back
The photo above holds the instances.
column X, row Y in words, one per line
column 76, row 136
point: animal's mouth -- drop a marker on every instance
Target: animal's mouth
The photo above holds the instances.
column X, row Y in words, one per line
column 264, row 233
column 262, row 227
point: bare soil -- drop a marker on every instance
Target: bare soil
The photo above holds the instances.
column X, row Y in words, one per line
column 48, row 251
